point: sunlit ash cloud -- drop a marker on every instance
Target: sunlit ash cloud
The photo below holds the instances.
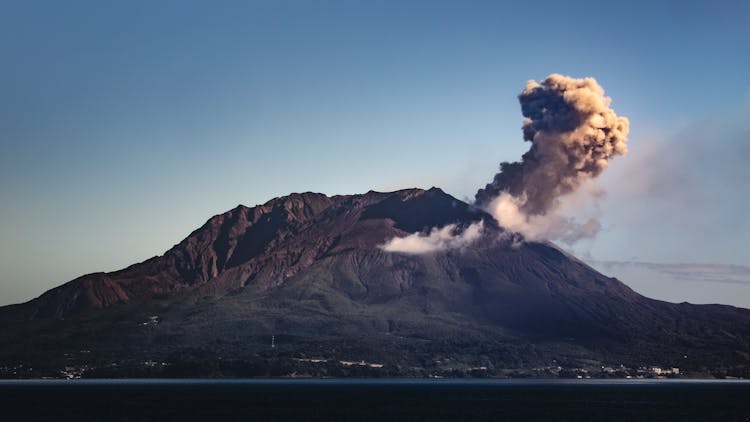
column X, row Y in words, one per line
column 573, row 134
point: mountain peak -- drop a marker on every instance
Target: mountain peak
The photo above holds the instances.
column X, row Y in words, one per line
column 301, row 206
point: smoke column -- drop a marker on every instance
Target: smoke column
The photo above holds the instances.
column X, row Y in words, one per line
column 573, row 134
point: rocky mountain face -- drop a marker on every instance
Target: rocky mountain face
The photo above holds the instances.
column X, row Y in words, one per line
column 301, row 285
column 262, row 246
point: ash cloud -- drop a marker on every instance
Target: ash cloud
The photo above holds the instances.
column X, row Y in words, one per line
column 438, row 239
column 573, row 134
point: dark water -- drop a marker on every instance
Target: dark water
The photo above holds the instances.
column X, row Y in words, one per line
column 426, row 400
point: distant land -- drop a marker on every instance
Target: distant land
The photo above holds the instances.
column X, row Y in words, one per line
column 302, row 286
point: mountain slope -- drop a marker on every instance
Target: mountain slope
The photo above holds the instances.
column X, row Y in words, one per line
column 308, row 270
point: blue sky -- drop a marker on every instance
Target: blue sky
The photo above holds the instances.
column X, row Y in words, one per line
column 125, row 125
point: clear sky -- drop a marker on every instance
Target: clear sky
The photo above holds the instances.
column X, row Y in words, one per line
column 125, row 125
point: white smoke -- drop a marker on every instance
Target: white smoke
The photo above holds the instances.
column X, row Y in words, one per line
column 438, row 239
column 554, row 225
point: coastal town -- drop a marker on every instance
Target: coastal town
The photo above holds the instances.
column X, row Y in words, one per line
column 323, row 367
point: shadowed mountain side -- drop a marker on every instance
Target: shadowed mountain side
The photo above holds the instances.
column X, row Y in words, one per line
column 308, row 270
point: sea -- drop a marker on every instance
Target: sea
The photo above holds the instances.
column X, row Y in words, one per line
column 373, row 399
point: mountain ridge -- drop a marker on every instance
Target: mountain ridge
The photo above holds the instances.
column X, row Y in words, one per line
column 192, row 261
column 310, row 270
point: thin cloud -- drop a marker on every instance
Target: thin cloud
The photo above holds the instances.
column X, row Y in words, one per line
column 696, row 178
column 711, row 273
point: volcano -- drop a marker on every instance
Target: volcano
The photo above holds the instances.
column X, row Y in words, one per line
column 301, row 285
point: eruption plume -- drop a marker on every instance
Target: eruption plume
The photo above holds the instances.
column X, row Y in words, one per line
column 573, row 135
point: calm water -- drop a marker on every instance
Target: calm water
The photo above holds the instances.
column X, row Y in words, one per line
column 334, row 399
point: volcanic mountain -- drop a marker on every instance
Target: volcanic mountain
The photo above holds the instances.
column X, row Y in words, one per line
column 301, row 285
